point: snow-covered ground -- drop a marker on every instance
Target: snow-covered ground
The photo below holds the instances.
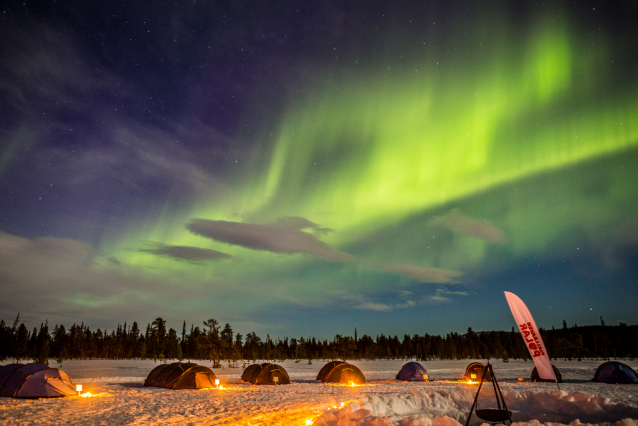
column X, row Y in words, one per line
column 121, row 399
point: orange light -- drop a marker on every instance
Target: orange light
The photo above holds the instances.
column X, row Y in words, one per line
column 90, row 395
column 469, row 382
column 520, row 379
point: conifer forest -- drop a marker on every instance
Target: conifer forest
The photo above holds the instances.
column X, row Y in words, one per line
column 215, row 343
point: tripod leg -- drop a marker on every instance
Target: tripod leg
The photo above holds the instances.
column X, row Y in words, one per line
column 497, row 387
column 478, row 391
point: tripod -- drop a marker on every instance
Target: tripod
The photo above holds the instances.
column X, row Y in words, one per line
column 491, row 415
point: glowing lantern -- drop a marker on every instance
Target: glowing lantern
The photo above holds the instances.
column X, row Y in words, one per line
column 78, row 388
column 276, row 380
column 425, row 377
column 217, row 383
column 351, row 383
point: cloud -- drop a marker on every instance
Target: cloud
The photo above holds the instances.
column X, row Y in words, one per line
column 465, row 225
column 65, row 280
column 424, row 274
column 274, row 238
column 361, row 302
column 370, row 306
column 104, row 144
column 42, row 64
column 191, row 254
column 300, row 223
column 442, row 294
column 15, row 249
column 285, row 236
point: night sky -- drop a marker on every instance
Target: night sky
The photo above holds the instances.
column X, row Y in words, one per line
column 305, row 168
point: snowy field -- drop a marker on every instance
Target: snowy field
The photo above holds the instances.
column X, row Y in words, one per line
column 121, row 399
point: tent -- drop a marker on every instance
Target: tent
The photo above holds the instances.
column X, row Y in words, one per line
column 345, row 373
column 326, row 368
column 273, row 374
column 161, row 377
column 615, row 372
column 474, row 372
column 181, row 375
column 536, row 377
column 197, row 377
column 266, row 374
column 152, row 376
column 413, row 372
column 248, row 372
column 34, row 381
column 6, row 371
column 256, row 369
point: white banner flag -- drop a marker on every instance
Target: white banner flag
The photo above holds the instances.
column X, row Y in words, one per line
column 531, row 335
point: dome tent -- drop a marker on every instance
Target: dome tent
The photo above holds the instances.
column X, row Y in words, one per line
column 165, row 376
column 34, row 381
column 6, row 371
column 197, row 377
column 273, row 374
column 615, row 372
column 345, row 373
column 327, row 368
column 152, row 376
column 474, row 372
column 253, row 371
column 413, row 372
column 248, row 372
column 536, row 377
column 266, row 374
column 181, row 375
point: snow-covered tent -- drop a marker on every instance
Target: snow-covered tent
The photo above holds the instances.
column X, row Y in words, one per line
column 267, row 374
column 34, row 381
column 413, row 372
column 345, row 373
column 615, row 372
column 536, row 377
column 181, row 375
column 474, row 373
column 327, row 368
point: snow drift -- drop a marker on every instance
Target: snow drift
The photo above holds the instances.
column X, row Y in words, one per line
column 422, row 408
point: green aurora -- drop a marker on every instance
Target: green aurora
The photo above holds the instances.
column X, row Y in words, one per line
column 505, row 146
column 376, row 149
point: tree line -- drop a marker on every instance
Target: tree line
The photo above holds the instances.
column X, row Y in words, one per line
column 216, row 344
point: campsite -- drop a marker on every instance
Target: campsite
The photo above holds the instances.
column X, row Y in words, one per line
column 327, row 213
column 120, row 397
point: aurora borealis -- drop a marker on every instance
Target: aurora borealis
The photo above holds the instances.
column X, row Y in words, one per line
column 304, row 170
